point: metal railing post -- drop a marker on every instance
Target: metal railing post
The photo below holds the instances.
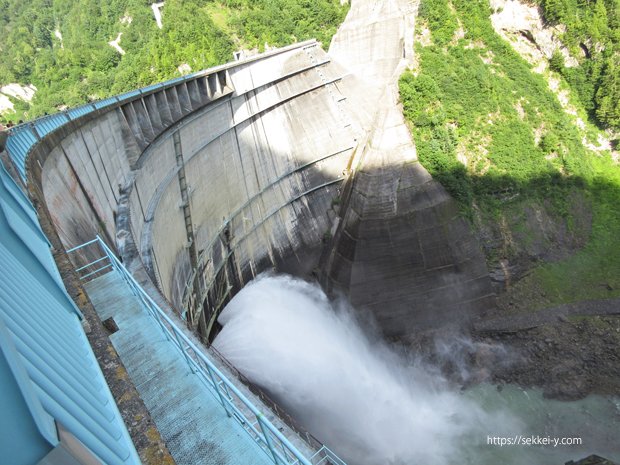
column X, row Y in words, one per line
column 182, row 349
column 215, row 386
column 259, row 417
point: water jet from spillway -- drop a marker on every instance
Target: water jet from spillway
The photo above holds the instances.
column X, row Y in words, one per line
column 368, row 403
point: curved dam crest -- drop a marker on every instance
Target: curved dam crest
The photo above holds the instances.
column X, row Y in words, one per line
column 296, row 160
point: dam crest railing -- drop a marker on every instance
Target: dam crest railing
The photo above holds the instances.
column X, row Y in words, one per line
column 237, row 406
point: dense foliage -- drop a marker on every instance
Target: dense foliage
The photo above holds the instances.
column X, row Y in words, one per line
column 593, row 35
column 200, row 33
column 491, row 131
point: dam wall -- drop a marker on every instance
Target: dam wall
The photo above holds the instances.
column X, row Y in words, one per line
column 226, row 175
column 295, row 160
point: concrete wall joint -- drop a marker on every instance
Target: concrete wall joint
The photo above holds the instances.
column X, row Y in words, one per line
column 189, row 228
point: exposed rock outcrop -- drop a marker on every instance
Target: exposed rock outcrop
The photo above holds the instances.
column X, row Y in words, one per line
column 116, row 44
column 25, row 93
column 15, row 91
column 157, row 7
column 523, row 27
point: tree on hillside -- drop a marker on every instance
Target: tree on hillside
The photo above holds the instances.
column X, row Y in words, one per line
column 608, row 94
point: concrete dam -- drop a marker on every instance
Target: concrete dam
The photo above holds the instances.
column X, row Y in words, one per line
column 296, row 160
column 162, row 205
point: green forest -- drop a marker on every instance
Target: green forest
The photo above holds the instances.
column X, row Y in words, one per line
column 62, row 46
column 592, row 31
column 494, row 134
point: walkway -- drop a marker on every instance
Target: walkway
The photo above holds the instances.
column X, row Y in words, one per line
column 193, row 424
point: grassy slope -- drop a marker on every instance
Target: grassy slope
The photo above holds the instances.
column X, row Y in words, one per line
column 587, row 274
column 476, row 100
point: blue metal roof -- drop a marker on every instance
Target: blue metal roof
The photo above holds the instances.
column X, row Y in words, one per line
column 18, row 144
column 22, row 221
column 44, row 345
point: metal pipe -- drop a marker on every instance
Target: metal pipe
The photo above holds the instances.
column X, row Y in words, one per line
column 92, row 263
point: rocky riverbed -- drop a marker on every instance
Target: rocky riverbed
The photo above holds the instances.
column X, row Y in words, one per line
column 568, row 359
column 567, row 356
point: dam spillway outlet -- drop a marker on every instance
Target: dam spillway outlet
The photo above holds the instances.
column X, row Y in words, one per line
column 368, row 403
column 374, row 405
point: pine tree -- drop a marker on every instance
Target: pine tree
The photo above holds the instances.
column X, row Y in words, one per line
column 608, row 95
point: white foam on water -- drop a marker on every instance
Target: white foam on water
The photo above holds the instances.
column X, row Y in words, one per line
column 368, row 403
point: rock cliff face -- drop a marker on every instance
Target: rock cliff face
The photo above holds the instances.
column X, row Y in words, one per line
column 536, row 232
column 523, row 27
column 16, row 92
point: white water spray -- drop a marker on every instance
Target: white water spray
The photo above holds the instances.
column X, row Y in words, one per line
column 369, row 404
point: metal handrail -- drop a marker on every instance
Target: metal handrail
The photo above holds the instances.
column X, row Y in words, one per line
column 86, row 271
column 261, row 430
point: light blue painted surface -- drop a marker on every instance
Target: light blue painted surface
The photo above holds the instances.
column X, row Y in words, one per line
column 193, row 424
column 42, row 339
column 18, row 144
column 117, row 295
column 25, row 438
column 23, row 223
